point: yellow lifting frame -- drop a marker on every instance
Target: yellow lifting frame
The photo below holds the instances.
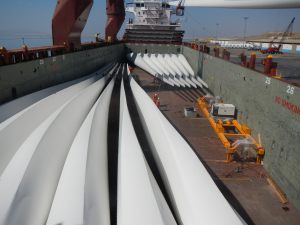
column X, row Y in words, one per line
column 220, row 127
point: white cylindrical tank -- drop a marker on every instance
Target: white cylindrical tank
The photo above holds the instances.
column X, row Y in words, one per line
column 287, row 48
column 265, row 45
column 298, row 49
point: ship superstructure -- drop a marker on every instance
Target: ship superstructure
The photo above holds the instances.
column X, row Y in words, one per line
column 152, row 22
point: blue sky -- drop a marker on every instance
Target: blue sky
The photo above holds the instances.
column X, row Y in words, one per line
column 20, row 18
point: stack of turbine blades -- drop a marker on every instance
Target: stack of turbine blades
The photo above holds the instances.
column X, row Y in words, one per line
column 184, row 70
column 35, row 143
column 188, row 67
column 99, row 152
column 173, row 65
column 173, row 71
column 170, row 68
column 140, row 62
column 96, row 197
column 166, row 73
column 182, row 172
column 158, row 72
column 13, row 108
column 140, row 200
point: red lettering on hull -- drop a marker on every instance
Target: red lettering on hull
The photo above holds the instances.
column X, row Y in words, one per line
column 288, row 105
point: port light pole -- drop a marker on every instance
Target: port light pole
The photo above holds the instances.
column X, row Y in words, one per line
column 217, row 29
column 245, row 29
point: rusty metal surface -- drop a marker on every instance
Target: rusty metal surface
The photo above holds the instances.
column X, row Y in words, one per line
column 244, row 185
column 68, row 21
column 115, row 11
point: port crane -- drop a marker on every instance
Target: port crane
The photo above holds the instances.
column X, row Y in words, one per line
column 273, row 49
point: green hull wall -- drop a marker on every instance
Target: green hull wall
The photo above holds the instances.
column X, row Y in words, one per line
column 267, row 105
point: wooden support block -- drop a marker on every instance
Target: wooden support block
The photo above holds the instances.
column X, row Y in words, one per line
column 280, row 194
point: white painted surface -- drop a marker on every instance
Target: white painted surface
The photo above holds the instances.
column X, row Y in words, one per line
column 96, row 196
column 184, row 175
column 265, row 45
column 188, row 67
column 185, row 71
column 36, row 191
column 159, row 64
column 250, row 4
column 59, row 172
column 152, row 65
column 287, row 48
column 28, row 179
column 139, row 199
column 175, row 71
column 68, row 203
column 158, row 72
column 21, row 126
column 18, row 106
column 13, row 173
column 140, row 62
column 179, row 65
column 170, row 62
column 170, row 68
column 184, row 77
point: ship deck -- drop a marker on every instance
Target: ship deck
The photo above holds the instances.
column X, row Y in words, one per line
column 244, row 185
column 288, row 63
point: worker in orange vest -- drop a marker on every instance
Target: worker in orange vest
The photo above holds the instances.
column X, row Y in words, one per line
column 156, row 100
column 155, row 97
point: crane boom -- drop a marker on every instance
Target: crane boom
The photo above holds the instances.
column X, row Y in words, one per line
column 250, row 4
column 276, row 49
column 288, row 30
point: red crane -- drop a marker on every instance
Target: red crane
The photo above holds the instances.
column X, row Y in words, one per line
column 70, row 18
column 68, row 21
column 276, row 49
column 115, row 11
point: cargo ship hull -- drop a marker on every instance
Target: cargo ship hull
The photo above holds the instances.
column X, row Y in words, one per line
column 269, row 106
